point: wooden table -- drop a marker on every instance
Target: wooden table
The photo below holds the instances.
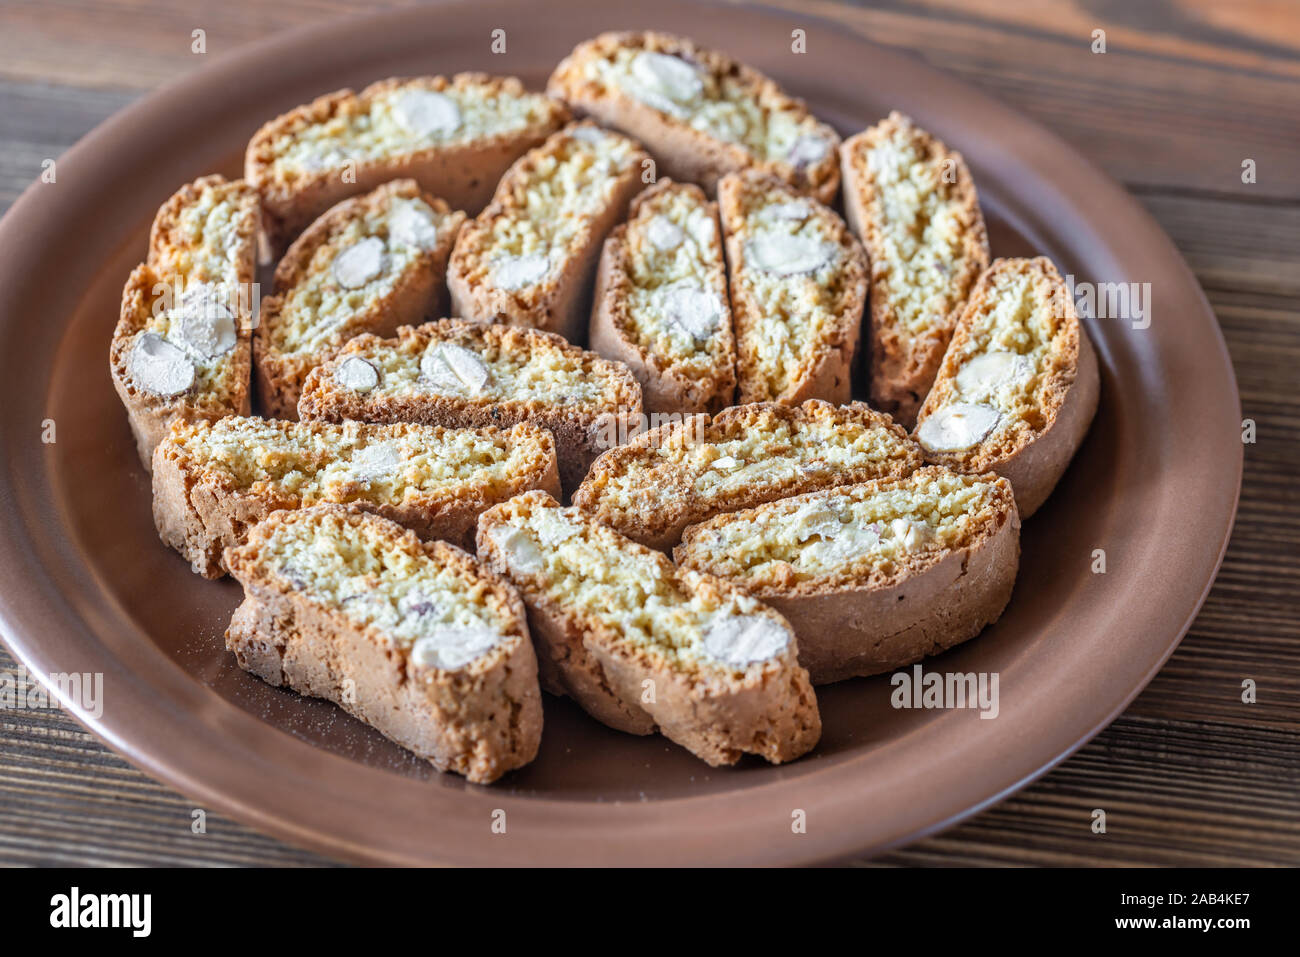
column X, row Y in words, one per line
column 1186, row 90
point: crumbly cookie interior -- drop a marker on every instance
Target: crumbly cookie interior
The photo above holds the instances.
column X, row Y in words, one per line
column 1005, row 362
column 920, row 226
column 205, row 242
column 850, row 534
column 316, row 462
column 374, row 578
column 678, row 618
column 757, row 454
column 318, row 307
column 487, row 363
column 424, row 113
column 545, row 206
column 700, row 92
column 676, row 303
column 793, row 268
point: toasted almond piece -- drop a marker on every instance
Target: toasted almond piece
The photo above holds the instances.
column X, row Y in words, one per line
column 699, row 112
column 1018, row 386
column 213, row 481
column 528, row 259
column 683, row 473
column 643, row 646
column 350, row 272
column 872, row 576
column 661, row 302
column 462, row 374
column 454, row 136
column 913, row 203
column 798, row 287
column 417, row 639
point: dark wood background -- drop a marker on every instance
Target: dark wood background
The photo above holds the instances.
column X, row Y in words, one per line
column 1188, row 89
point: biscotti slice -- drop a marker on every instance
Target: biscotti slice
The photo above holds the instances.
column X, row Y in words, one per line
column 661, row 302
column 467, row 374
column 642, row 645
column 213, row 481
column 699, row 112
column 913, row 202
column 1018, row 386
column 455, row 137
column 682, row 473
column 370, row 264
column 417, row 639
column 528, row 259
column 181, row 346
column 872, row 576
column 798, row 287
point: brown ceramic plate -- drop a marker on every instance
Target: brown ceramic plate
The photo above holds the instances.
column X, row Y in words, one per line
column 89, row 588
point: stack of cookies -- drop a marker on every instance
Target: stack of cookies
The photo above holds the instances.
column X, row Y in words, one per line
column 652, row 293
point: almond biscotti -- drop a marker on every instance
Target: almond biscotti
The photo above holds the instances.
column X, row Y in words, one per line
column 1018, row 386
column 642, row 645
column 528, row 259
column 682, row 473
column 699, row 112
column 213, row 481
column 661, row 303
column 181, row 346
column 873, row 576
column 417, row 639
column 466, row 374
column 455, row 137
column 370, row 264
column 798, row 288
column 913, row 202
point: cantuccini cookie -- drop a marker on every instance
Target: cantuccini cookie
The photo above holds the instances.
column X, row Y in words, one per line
column 415, row 638
column 678, row 474
column 370, row 264
column 458, row 373
column 528, row 259
column 454, row 136
column 914, row 204
column 699, row 112
column 873, row 576
column 798, row 287
column 181, row 346
column 1018, row 386
column 661, row 302
column 213, row 481
column 642, row 645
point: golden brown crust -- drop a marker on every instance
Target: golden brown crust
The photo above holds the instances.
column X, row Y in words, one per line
column 682, row 151
column 897, row 612
column 903, row 365
column 660, row 471
column 418, row 293
column 717, row 713
column 1034, row 452
column 582, row 429
column 462, row 173
column 201, row 507
column 823, row 357
column 481, row 720
column 667, row 385
column 560, row 303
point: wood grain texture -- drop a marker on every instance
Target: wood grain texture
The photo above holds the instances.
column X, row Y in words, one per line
column 1189, row 775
